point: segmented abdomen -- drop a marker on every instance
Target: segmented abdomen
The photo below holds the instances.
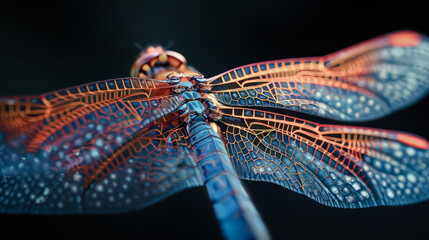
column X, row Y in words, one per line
column 235, row 212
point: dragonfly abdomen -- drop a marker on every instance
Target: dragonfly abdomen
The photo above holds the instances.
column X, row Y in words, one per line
column 235, row 212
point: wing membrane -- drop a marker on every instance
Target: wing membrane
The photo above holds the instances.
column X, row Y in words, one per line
column 24, row 112
column 109, row 146
column 338, row 166
column 79, row 113
column 363, row 82
column 152, row 165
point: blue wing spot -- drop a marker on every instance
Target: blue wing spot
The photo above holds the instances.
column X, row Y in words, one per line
column 247, row 70
column 145, row 104
column 120, row 84
column 102, row 86
column 252, row 92
column 59, row 133
column 255, row 68
column 106, row 109
column 227, row 97
column 243, row 93
column 93, row 87
column 260, row 96
column 111, row 85
column 242, row 101
column 127, row 83
column 231, row 138
column 259, row 114
column 226, row 77
column 233, row 75
column 135, row 104
column 120, row 105
column 83, row 89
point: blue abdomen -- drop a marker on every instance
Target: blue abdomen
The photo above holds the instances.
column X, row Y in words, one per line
column 235, row 212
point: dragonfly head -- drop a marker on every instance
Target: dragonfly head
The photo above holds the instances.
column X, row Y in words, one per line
column 156, row 62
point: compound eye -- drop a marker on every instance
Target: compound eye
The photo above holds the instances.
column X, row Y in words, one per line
column 159, row 49
column 155, row 62
column 150, row 49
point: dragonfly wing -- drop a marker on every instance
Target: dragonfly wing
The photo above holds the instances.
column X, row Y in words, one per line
column 109, row 150
column 153, row 165
column 363, row 82
column 339, row 166
column 63, row 122
column 55, row 110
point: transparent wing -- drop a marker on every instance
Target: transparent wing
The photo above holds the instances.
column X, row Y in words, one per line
column 150, row 166
column 363, row 82
column 62, row 122
column 340, row 166
column 31, row 114
column 82, row 151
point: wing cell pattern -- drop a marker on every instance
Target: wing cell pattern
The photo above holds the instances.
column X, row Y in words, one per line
column 63, row 106
column 363, row 82
column 122, row 144
column 111, row 150
column 341, row 166
column 152, row 166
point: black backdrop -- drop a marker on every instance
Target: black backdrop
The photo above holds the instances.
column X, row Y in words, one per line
column 51, row 45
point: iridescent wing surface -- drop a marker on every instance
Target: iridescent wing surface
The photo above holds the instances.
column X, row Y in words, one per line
column 340, row 166
column 109, row 146
column 363, row 82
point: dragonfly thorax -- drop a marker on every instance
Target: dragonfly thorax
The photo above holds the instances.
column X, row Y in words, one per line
column 198, row 106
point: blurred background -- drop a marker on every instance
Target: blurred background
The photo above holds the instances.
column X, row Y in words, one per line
column 54, row 44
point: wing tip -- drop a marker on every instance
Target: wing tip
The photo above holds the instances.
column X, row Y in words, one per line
column 413, row 141
column 405, row 38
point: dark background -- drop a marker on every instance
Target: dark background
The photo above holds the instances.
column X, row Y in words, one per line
column 51, row 45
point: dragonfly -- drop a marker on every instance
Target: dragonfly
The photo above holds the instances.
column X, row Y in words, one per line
column 123, row 144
